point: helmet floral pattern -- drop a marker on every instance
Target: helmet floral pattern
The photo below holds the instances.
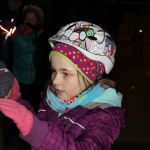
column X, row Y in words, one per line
column 90, row 39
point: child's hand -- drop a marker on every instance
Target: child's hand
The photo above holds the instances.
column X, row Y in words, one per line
column 18, row 113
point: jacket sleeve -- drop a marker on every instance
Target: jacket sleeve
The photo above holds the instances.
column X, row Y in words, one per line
column 97, row 135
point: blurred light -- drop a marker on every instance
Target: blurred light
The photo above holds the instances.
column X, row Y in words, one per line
column 140, row 30
column 132, row 87
column 148, row 73
column 12, row 20
column 8, row 32
column 2, row 28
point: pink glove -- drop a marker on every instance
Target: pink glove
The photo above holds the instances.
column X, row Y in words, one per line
column 18, row 113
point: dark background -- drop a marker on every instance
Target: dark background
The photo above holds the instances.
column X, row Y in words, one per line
column 123, row 19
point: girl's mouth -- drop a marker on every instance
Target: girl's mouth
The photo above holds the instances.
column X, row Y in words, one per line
column 59, row 92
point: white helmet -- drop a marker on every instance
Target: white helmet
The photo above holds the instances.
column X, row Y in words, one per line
column 89, row 39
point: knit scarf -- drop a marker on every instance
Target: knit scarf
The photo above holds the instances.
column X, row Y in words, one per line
column 92, row 94
column 84, row 98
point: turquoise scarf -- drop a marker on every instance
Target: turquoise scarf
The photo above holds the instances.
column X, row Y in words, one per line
column 93, row 94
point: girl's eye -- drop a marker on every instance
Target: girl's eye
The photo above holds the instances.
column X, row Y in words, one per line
column 66, row 74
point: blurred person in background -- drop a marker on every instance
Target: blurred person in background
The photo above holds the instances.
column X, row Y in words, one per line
column 27, row 56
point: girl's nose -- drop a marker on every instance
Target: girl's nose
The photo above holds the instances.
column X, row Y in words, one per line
column 56, row 79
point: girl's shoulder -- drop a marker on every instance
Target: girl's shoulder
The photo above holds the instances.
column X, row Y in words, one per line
column 94, row 122
column 97, row 115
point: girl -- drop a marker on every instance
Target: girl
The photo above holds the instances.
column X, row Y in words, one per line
column 80, row 110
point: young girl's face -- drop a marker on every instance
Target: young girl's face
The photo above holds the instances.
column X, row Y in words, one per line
column 66, row 81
